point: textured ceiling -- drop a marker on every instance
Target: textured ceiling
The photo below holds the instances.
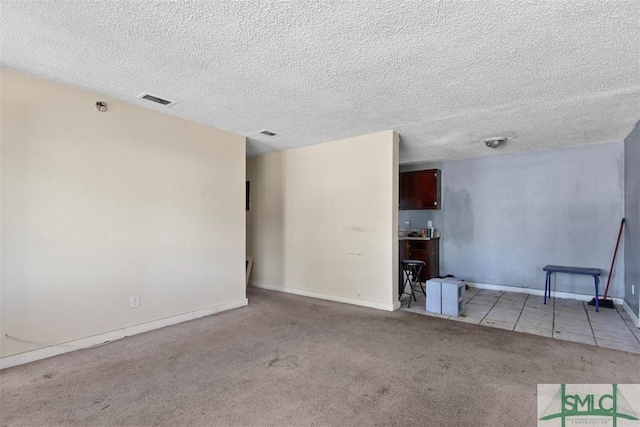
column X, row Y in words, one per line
column 442, row 74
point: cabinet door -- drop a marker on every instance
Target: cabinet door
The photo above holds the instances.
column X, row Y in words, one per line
column 419, row 250
column 427, row 251
column 407, row 191
column 427, row 189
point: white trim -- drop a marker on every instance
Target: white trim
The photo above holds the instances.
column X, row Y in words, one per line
column 632, row 315
column 539, row 292
column 54, row 350
column 329, row 297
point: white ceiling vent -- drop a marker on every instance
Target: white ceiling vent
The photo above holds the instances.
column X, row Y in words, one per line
column 268, row 133
column 156, row 99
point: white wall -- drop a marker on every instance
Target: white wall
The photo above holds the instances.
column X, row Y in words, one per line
column 97, row 207
column 323, row 220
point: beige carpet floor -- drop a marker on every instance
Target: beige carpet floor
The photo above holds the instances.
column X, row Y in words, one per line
column 289, row 360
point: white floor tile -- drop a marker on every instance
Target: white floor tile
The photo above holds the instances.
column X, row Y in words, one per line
column 545, row 332
column 610, row 328
column 468, row 319
column 537, row 316
column 584, row 339
column 483, row 301
column 623, row 336
column 547, row 323
column 632, row 347
column 498, row 324
column 581, row 330
column 634, row 329
column 567, row 320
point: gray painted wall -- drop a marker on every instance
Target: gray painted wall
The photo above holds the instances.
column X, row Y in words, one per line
column 504, row 217
column 632, row 215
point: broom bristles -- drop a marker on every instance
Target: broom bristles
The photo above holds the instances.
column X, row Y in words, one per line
column 602, row 302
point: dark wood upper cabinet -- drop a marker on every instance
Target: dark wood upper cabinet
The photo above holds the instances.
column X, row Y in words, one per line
column 420, row 190
column 407, row 192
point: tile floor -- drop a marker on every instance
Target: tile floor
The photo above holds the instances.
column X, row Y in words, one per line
column 562, row 319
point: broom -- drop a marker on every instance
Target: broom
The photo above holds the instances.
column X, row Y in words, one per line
column 605, row 301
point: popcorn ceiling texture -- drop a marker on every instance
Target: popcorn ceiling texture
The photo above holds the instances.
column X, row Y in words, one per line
column 444, row 75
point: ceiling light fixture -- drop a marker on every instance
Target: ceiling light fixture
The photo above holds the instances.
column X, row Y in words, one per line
column 495, row 141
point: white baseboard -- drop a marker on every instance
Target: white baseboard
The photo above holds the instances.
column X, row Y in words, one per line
column 54, row 350
column 632, row 315
column 538, row 292
column 329, row 297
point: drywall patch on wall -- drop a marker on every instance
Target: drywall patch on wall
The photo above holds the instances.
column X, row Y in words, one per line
column 460, row 220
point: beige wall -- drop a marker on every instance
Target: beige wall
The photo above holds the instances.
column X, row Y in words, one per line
column 323, row 220
column 97, row 207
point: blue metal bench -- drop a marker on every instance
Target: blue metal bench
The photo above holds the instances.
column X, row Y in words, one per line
column 550, row 269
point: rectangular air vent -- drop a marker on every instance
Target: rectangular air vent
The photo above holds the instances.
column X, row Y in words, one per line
column 267, row 132
column 156, row 99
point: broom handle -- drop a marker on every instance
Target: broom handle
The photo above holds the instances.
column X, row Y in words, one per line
column 615, row 252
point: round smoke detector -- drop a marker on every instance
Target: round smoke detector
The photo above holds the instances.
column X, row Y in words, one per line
column 495, row 141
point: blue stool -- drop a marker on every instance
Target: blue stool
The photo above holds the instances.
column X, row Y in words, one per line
column 412, row 269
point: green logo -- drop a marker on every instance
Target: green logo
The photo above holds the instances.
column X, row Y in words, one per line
column 566, row 405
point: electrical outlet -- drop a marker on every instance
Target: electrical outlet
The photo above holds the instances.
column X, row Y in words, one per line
column 407, row 225
column 633, row 289
column 134, row 301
